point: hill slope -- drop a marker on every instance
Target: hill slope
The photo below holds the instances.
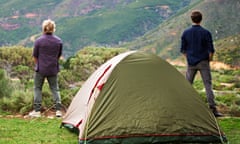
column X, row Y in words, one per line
column 153, row 25
column 219, row 16
column 84, row 22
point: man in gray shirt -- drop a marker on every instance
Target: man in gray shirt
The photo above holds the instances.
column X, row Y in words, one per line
column 46, row 53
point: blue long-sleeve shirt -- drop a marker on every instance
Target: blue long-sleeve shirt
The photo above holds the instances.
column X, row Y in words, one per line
column 197, row 44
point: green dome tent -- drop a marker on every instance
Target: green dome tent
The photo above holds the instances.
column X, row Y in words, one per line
column 138, row 98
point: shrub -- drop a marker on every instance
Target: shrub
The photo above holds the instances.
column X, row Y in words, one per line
column 5, row 86
column 229, row 99
column 18, row 102
column 67, row 95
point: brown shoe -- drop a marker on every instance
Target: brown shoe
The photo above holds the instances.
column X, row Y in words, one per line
column 216, row 113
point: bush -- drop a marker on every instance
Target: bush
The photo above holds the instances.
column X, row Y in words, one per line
column 229, row 99
column 67, row 95
column 5, row 86
column 18, row 102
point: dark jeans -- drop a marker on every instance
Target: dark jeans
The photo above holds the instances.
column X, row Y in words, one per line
column 53, row 84
column 205, row 72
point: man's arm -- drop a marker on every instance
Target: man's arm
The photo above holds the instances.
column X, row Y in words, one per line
column 210, row 46
column 183, row 46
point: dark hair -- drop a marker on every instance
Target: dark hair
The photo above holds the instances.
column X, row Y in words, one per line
column 196, row 16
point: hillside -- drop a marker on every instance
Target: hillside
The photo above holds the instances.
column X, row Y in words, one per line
column 84, row 22
column 219, row 16
column 228, row 50
column 153, row 25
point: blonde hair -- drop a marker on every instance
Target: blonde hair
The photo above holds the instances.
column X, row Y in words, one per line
column 48, row 26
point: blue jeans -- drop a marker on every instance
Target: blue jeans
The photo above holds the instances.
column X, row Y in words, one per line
column 205, row 72
column 53, row 84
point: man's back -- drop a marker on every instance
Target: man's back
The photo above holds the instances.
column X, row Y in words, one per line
column 197, row 44
column 48, row 49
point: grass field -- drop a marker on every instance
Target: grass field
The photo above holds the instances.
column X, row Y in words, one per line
column 48, row 131
column 34, row 131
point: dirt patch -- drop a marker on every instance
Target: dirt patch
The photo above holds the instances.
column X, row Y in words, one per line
column 219, row 65
column 228, row 111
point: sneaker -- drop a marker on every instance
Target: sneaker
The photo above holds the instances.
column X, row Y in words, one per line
column 58, row 113
column 34, row 113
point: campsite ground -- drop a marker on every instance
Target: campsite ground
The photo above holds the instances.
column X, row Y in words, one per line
column 15, row 130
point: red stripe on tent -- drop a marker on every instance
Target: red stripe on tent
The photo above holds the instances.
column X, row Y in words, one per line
column 100, row 86
column 98, row 81
column 146, row 135
column 79, row 123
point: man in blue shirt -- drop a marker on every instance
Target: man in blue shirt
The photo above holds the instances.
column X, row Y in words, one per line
column 46, row 53
column 197, row 47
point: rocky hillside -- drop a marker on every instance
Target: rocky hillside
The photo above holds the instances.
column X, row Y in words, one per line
column 219, row 16
column 152, row 25
column 84, row 22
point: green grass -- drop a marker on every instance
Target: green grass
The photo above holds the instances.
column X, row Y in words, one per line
column 34, row 131
column 48, row 131
column 231, row 127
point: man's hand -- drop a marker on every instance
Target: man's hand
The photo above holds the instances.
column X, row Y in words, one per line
column 184, row 54
column 210, row 56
